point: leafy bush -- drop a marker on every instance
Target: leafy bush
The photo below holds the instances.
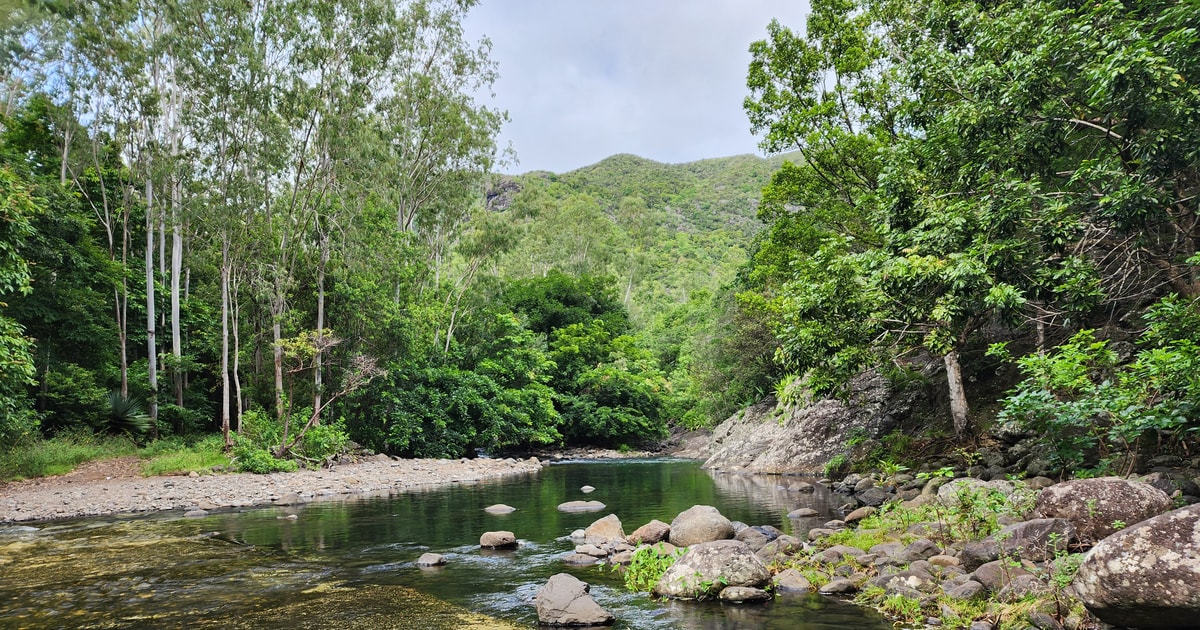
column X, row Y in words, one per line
column 324, row 441
column 252, row 448
column 1080, row 399
column 647, row 567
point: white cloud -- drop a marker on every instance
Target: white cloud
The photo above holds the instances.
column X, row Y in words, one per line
column 664, row 79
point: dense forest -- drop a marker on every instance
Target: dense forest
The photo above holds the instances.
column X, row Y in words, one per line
column 286, row 222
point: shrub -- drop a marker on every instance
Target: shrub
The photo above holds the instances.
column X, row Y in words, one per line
column 647, row 567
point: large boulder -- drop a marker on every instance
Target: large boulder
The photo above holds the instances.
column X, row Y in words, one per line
column 708, row 567
column 650, row 533
column 809, row 436
column 1148, row 575
column 1099, row 507
column 564, row 601
column 699, row 524
column 605, row 530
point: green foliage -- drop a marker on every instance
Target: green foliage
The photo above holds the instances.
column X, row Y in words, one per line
column 126, row 415
column 324, row 441
column 253, row 447
column 1080, row 399
column 61, row 454
column 175, row 455
column 647, row 567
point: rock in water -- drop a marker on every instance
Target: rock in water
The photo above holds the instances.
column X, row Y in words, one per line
column 605, row 530
column 1146, row 576
column 431, row 560
column 499, row 508
column 498, row 540
column 564, row 601
column 650, row 533
column 699, row 524
column 708, row 567
column 587, row 489
column 1093, row 505
column 581, row 506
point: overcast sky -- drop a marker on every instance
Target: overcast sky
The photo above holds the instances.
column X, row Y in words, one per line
column 663, row 79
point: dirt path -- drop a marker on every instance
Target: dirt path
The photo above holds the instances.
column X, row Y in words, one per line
column 116, row 485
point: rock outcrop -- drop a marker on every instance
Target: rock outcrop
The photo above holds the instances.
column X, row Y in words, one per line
column 605, row 530
column 1148, row 575
column 564, row 601
column 707, row 568
column 650, row 533
column 768, row 439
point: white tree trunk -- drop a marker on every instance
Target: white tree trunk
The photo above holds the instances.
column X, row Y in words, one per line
column 958, row 395
column 176, row 277
column 225, row 339
column 151, row 342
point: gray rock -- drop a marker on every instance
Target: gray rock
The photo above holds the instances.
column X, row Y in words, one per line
column 1037, row 540
column 753, row 538
column 699, row 524
column 838, row 586
column 591, row 550
column 780, row 548
column 708, row 567
column 580, row 559
column 803, row 513
column 859, row 514
column 498, row 540
column 290, row 498
column 743, row 594
column 1093, row 505
column 874, row 496
column 809, row 436
column 195, row 513
column 920, row 549
column 564, row 601
column 431, row 560
column 650, row 533
column 837, row 553
column 790, row 581
column 1147, row 575
column 994, row 576
column 587, row 489
column 605, row 530
column 802, row 487
column 499, row 508
column 1022, row 586
column 581, row 506
column 964, row 591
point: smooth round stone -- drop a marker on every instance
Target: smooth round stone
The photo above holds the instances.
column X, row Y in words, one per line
column 581, row 506
column 431, row 560
column 499, row 508
column 587, row 489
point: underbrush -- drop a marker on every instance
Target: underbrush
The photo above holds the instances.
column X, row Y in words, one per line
column 61, row 454
column 174, row 455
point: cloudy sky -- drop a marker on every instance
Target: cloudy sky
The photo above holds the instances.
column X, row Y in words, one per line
column 663, row 79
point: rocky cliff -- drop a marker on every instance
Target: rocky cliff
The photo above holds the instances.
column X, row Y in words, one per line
column 771, row 438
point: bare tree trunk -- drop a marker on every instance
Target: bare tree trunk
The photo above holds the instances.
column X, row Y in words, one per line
column 225, row 339
column 958, row 395
column 237, row 350
column 176, row 273
column 151, row 342
column 320, row 349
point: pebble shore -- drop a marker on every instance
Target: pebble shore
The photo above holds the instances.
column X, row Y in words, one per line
column 46, row 499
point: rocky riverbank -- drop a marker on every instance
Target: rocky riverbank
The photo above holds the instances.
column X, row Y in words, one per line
column 99, row 494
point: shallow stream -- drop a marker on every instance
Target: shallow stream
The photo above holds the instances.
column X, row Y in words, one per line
column 351, row 563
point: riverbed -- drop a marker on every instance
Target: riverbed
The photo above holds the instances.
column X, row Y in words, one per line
column 352, row 562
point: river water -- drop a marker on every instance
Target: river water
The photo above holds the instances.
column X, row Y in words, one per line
column 349, row 564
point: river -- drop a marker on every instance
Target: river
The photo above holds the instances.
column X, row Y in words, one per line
column 351, row 563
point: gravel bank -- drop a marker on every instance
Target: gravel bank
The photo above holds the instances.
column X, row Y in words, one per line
column 64, row 497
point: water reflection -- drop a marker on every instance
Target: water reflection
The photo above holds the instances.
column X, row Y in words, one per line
column 260, row 567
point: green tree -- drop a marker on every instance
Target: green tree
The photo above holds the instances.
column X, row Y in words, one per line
column 17, row 211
